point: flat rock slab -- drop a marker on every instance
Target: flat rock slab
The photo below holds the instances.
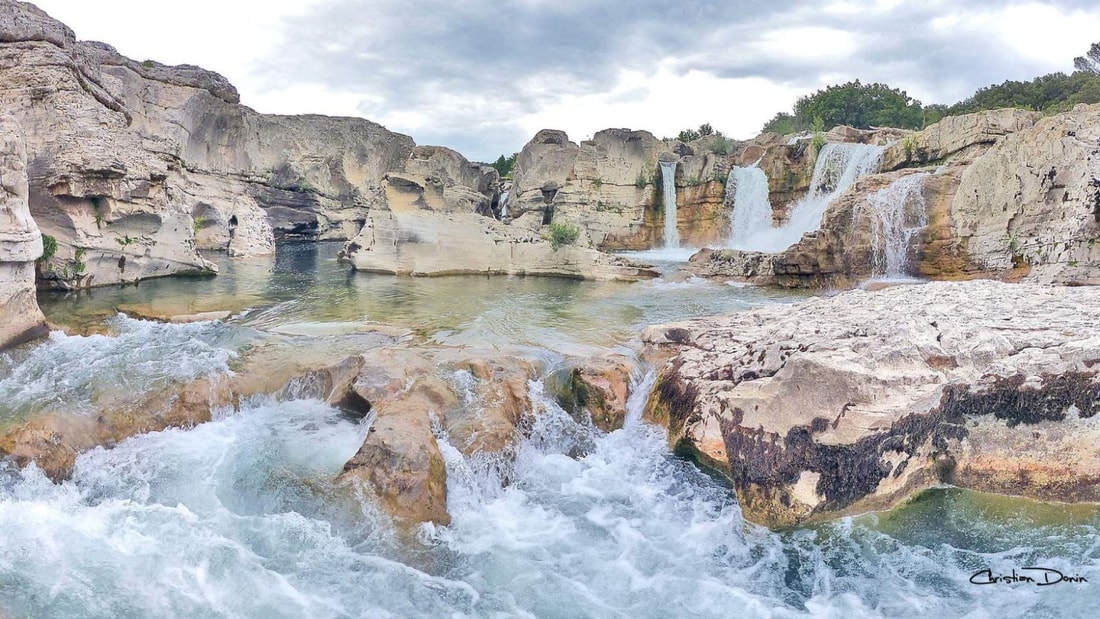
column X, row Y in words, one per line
column 853, row 402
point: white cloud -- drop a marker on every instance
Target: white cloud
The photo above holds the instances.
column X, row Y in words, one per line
column 482, row 76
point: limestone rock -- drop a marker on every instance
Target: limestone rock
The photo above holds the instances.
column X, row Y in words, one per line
column 478, row 400
column 600, row 387
column 853, row 402
column 610, row 189
column 957, row 137
column 20, row 243
column 735, row 265
column 421, row 242
column 134, row 167
column 1033, row 201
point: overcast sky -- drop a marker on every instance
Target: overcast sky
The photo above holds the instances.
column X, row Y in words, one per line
column 482, row 76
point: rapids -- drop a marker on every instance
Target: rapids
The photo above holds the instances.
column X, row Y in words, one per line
column 239, row 517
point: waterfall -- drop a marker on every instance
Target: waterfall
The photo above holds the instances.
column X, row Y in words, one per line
column 503, row 204
column 836, row 168
column 747, row 192
column 668, row 181
column 898, row 214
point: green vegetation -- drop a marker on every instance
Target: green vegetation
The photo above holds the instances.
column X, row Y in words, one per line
column 563, row 234
column 99, row 204
column 196, row 223
column 909, row 143
column 690, row 135
column 818, row 127
column 504, row 165
column 148, row 64
column 78, row 263
column 878, row 105
column 49, row 248
column 640, row 182
column 856, row 104
column 1090, row 62
column 1051, row 93
column 124, row 240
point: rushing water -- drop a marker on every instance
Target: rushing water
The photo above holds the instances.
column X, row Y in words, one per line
column 898, row 213
column 239, row 517
column 747, row 193
column 837, row 166
column 668, row 184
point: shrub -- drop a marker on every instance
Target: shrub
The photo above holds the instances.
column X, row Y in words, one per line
column 563, row 234
column 818, row 142
column 49, row 248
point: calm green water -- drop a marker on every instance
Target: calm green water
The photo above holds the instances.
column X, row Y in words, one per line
column 238, row 517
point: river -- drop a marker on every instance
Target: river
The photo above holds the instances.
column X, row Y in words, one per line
column 239, row 517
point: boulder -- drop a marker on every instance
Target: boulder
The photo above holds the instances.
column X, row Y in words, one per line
column 1033, row 202
column 478, row 400
column 854, row 402
column 20, row 243
column 599, row 387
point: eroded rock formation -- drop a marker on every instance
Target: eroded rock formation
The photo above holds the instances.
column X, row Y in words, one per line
column 854, row 402
column 135, row 166
column 20, row 243
column 609, row 187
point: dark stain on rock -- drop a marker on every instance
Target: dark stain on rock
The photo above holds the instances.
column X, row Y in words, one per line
column 767, row 462
column 678, row 398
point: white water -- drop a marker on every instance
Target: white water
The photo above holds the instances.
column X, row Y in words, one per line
column 68, row 373
column 239, row 517
column 668, row 183
column 503, row 204
column 836, row 168
column 747, row 192
column 898, row 213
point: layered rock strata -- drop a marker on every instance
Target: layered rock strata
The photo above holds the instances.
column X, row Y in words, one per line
column 20, row 243
column 854, row 402
column 135, row 166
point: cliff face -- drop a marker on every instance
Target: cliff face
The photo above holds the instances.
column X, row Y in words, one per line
column 610, row 188
column 133, row 167
column 20, row 243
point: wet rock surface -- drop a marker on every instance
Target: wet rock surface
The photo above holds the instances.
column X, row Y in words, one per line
column 854, row 402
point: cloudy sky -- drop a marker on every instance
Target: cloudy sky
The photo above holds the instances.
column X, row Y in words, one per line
column 482, row 76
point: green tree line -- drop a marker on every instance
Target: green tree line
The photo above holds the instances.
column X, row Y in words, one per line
column 878, row 105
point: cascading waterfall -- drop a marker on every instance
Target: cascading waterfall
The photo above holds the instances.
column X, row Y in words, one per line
column 836, row 168
column 747, row 192
column 503, row 204
column 668, row 182
column 898, row 214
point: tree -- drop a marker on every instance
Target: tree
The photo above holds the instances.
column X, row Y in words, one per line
column 504, row 165
column 1090, row 62
column 783, row 124
column 690, row 135
column 861, row 106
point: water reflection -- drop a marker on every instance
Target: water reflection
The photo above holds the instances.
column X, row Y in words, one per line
column 305, row 283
